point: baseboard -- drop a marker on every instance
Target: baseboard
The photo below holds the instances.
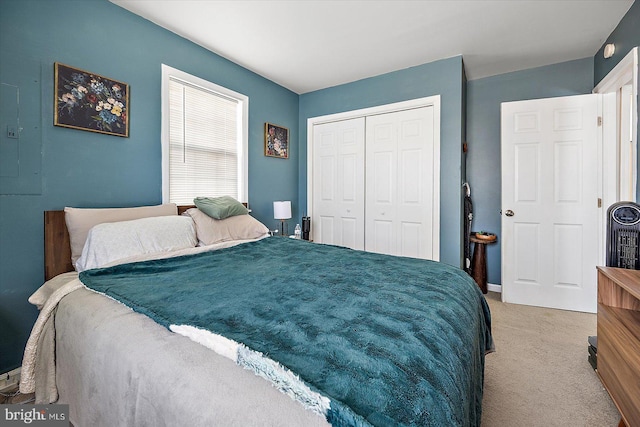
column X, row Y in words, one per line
column 494, row 288
column 9, row 379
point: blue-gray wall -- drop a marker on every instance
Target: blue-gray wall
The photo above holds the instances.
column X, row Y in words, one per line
column 444, row 78
column 92, row 170
column 484, row 97
column 626, row 36
column 483, row 119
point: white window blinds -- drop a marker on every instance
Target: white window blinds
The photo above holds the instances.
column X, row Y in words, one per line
column 204, row 146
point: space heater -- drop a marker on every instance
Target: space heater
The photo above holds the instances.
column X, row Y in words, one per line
column 623, row 235
column 306, row 227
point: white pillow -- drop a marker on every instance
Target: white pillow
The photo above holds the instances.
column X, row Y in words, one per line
column 80, row 221
column 238, row 227
column 114, row 241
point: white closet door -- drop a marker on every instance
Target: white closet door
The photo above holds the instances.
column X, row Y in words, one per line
column 400, row 183
column 338, row 183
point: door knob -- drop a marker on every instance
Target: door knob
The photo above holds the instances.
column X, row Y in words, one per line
column 509, row 213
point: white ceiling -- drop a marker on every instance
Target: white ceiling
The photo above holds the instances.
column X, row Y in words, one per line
column 306, row 45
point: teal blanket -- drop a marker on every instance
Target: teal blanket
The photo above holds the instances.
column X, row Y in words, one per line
column 388, row 340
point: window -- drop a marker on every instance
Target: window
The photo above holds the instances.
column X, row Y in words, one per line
column 204, row 139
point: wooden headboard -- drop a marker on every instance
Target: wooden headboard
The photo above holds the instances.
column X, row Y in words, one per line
column 57, row 246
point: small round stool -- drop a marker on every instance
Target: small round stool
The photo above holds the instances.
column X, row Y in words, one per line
column 479, row 259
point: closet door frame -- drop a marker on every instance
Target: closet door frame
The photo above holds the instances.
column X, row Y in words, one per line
column 433, row 101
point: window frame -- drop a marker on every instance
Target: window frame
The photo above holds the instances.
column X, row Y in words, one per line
column 243, row 124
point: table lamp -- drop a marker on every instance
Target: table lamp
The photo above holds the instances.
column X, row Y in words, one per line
column 282, row 211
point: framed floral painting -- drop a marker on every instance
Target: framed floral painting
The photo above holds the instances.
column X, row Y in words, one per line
column 276, row 141
column 91, row 102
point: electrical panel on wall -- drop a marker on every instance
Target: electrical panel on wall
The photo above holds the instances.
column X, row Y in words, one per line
column 20, row 127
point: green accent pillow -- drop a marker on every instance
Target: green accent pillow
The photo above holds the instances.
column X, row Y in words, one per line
column 220, row 207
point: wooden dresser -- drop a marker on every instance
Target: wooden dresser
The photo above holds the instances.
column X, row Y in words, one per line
column 619, row 339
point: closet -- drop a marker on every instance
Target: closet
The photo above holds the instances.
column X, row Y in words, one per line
column 374, row 180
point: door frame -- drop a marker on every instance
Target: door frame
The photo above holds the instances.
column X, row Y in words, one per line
column 626, row 70
column 430, row 101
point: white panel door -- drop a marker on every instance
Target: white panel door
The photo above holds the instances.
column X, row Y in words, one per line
column 338, row 183
column 550, row 202
column 400, row 183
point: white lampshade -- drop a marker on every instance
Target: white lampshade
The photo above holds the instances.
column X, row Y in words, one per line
column 282, row 210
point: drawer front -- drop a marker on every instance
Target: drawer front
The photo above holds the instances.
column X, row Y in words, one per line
column 619, row 363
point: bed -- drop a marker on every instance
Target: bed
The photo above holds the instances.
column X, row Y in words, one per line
column 257, row 331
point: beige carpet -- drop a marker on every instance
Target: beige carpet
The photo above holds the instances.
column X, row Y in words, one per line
column 539, row 374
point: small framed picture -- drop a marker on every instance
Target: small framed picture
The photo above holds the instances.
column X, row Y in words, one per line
column 88, row 101
column 276, row 141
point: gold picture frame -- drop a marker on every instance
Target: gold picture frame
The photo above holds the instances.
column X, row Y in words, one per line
column 276, row 141
column 91, row 102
